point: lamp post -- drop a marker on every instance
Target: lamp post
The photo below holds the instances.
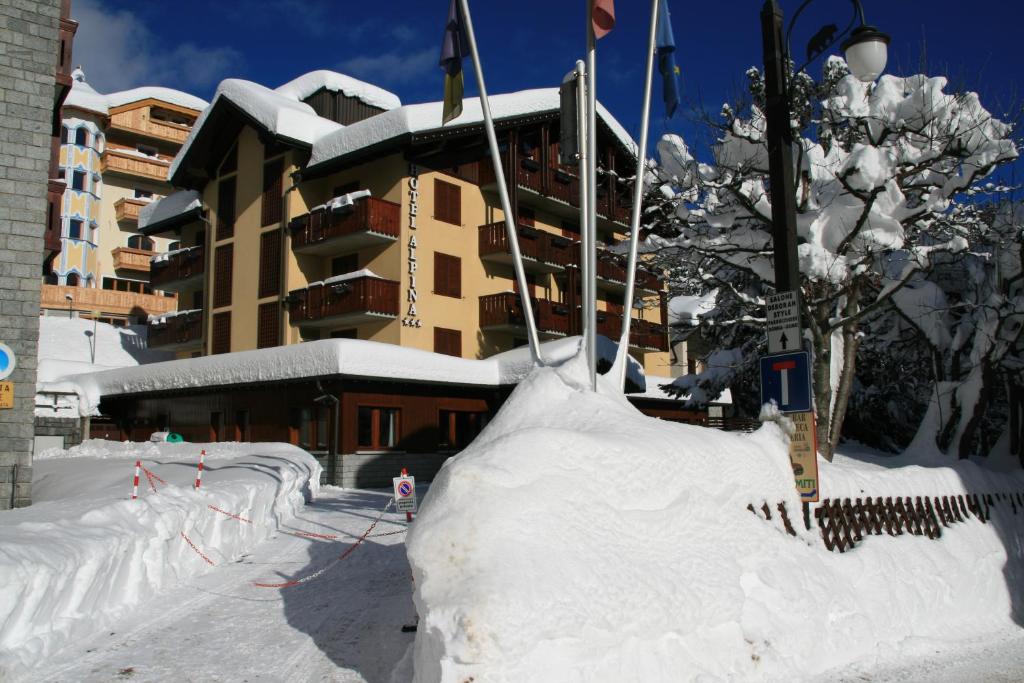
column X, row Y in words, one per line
column 70, row 300
column 866, row 51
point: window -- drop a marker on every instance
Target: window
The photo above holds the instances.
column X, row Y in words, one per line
column 457, row 428
column 448, row 342
column 197, row 299
column 221, row 332
column 67, row 137
column 200, row 238
column 447, row 275
column 266, row 325
column 344, row 264
column 270, row 213
column 224, row 258
column 270, row 263
column 51, row 278
column 378, row 428
column 526, row 216
column 75, row 229
column 81, row 137
column 216, row 426
column 691, row 365
column 226, row 209
column 174, row 246
column 242, row 425
column 71, row 280
column 147, row 150
column 142, row 194
column 140, row 242
column 78, row 180
column 447, row 202
column 570, row 229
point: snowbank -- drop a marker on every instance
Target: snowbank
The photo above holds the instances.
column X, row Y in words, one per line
column 66, row 347
column 84, row 552
column 577, row 540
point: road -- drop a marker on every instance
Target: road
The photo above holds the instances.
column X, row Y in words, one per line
column 344, row 625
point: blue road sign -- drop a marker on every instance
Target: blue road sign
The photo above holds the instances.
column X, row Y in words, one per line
column 786, row 379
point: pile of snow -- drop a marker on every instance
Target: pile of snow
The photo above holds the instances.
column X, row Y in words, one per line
column 687, row 310
column 84, row 96
column 342, row 202
column 84, row 553
column 66, row 347
column 418, row 118
column 323, row 358
column 307, row 84
column 577, row 540
column 169, row 207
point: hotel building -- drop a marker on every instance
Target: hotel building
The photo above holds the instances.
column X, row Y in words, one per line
column 114, row 152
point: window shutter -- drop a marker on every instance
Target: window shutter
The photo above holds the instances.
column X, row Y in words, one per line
column 448, row 342
column 226, row 209
column 271, row 210
column 224, row 259
column 267, row 325
column 447, row 275
column 270, row 263
column 447, row 202
column 222, row 332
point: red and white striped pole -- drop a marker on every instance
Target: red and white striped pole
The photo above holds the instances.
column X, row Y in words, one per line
column 408, row 515
column 199, row 472
column 135, row 482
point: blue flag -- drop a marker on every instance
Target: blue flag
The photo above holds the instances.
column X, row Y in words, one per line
column 454, row 47
column 666, row 48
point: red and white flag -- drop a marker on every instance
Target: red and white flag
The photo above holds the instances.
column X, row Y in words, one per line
column 603, row 17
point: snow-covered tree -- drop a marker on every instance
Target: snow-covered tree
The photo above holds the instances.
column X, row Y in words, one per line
column 878, row 167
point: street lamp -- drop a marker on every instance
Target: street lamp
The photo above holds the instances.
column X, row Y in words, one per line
column 69, row 299
column 866, row 52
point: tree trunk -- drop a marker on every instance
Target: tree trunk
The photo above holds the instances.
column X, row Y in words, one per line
column 973, row 424
column 822, row 379
column 845, row 388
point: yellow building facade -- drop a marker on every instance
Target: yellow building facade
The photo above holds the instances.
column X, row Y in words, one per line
column 370, row 221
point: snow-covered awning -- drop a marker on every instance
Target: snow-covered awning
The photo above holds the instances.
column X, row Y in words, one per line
column 171, row 212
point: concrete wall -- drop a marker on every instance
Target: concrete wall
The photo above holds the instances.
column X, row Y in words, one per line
column 28, row 62
column 70, row 429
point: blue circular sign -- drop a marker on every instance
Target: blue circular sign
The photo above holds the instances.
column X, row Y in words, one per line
column 7, row 361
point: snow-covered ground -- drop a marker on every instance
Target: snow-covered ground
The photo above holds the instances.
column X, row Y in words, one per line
column 84, row 553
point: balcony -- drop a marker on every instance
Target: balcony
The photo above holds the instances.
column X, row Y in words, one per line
column 175, row 270
column 347, row 302
column 135, row 164
column 368, row 222
column 643, row 334
column 503, row 312
column 541, row 251
column 105, row 301
column 127, row 209
column 178, row 332
column 128, row 258
column 139, row 122
column 611, row 273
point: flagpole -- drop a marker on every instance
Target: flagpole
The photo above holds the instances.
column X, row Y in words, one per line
column 581, row 146
column 622, row 355
column 499, row 174
column 591, row 227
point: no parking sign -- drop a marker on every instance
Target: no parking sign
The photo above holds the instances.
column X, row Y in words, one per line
column 405, row 493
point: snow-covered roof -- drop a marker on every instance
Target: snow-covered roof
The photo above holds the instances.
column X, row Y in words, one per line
column 324, row 358
column 171, row 206
column 65, row 347
column 278, row 114
column 305, row 85
column 686, row 310
column 419, row 118
column 84, row 96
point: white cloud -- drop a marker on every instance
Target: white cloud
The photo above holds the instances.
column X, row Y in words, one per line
column 392, row 67
column 117, row 51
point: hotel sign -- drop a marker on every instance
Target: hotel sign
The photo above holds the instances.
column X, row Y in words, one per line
column 411, row 318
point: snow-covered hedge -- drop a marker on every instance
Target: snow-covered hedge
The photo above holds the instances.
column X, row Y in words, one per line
column 84, row 552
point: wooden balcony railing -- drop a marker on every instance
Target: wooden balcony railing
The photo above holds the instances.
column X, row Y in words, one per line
column 127, row 208
column 183, row 330
column 132, row 259
column 135, row 121
column 642, row 333
column 368, row 216
column 536, row 245
column 177, row 268
column 107, row 301
column 362, row 296
column 504, row 310
column 611, row 267
column 128, row 163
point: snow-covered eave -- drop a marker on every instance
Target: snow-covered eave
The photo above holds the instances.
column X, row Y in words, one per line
column 187, row 170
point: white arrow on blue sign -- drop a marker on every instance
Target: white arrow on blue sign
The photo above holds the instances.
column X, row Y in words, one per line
column 786, row 379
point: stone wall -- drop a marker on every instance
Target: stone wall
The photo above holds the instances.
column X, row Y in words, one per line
column 28, row 62
column 70, row 429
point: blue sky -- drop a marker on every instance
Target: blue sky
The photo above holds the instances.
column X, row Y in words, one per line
column 192, row 44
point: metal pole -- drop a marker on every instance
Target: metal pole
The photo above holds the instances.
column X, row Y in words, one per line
column 780, row 151
column 591, row 169
column 585, row 267
column 95, row 317
column 622, row 356
column 499, row 174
